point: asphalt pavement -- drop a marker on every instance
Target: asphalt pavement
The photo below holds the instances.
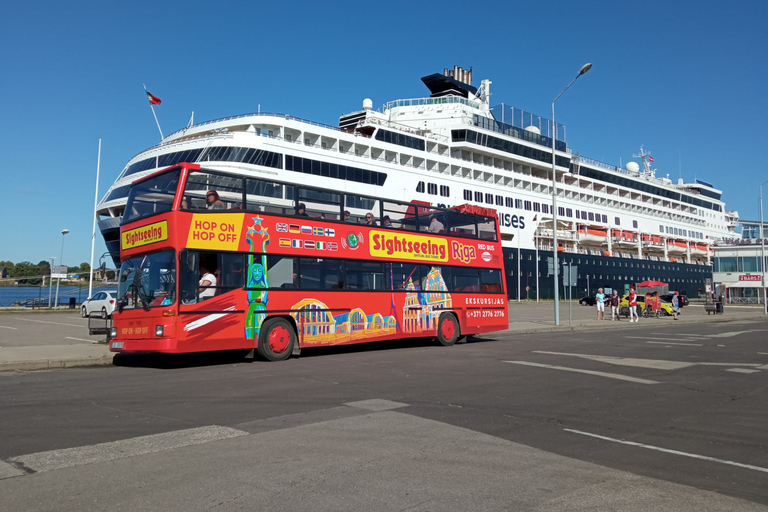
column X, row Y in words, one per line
column 42, row 340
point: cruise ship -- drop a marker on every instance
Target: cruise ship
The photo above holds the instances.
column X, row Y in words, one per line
column 616, row 224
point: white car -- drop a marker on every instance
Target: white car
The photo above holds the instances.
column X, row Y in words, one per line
column 102, row 304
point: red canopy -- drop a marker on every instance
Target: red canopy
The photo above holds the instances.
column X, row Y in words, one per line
column 648, row 284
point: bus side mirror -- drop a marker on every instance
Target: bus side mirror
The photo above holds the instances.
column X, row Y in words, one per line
column 190, row 262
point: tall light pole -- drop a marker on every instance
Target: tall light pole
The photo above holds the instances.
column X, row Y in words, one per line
column 586, row 67
column 762, row 250
column 50, row 282
column 61, row 262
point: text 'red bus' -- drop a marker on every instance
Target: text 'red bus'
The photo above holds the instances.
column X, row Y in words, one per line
column 293, row 267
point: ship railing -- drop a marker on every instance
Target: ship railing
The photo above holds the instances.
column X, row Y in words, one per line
column 442, row 100
column 252, row 114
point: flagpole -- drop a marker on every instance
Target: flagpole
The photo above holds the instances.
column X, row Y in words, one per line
column 93, row 234
column 153, row 113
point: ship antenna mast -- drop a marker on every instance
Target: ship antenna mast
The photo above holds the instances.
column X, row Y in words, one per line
column 644, row 157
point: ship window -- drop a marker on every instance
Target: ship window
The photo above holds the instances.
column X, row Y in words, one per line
column 536, row 207
column 510, row 202
column 544, row 208
column 420, row 187
column 568, row 212
column 518, row 203
column 432, row 189
column 605, row 219
column 618, row 221
column 661, row 228
column 467, row 195
column 634, row 223
column 591, row 216
column 445, row 191
column 578, row 214
column 478, row 197
column 499, row 201
column 561, row 211
column 489, row 198
column 527, row 205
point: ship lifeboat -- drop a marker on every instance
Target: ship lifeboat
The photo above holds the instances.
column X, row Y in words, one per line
column 653, row 242
column 698, row 250
column 592, row 235
column 677, row 246
column 625, row 239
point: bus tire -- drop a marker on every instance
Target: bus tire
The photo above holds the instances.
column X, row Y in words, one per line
column 276, row 339
column 448, row 330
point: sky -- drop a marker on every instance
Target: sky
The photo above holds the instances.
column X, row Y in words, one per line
column 684, row 79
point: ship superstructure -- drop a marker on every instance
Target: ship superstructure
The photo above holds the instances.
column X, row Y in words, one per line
column 453, row 147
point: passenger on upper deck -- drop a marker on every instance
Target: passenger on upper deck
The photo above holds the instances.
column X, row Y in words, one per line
column 212, row 200
column 302, row 210
column 435, row 226
column 369, row 221
column 386, row 222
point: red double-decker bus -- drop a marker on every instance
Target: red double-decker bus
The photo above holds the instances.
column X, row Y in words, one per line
column 221, row 261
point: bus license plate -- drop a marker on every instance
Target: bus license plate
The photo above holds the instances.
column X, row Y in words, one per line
column 117, row 344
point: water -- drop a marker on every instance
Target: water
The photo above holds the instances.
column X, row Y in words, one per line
column 11, row 294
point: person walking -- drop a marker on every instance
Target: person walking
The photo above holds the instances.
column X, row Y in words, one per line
column 600, row 303
column 615, row 305
column 633, row 306
column 675, row 305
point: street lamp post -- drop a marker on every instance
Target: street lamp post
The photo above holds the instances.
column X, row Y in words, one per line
column 584, row 69
column 762, row 250
column 61, row 262
column 50, row 282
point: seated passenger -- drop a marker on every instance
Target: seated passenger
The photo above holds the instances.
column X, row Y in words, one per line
column 212, row 201
column 207, row 283
column 369, row 221
column 435, row 226
column 386, row 222
column 348, row 217
column 302, row 210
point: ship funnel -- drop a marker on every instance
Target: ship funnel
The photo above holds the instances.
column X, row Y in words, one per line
column 459, row 74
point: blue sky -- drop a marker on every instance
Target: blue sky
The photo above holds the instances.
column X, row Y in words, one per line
column 684, row 79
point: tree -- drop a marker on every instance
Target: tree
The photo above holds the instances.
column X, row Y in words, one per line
column 8, row 266
column 45, row 268
column 24, row 269
column 111, row 275
column 85, row 268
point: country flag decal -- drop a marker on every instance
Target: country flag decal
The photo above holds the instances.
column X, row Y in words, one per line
column 285, row 242
column 307, row 230
column 294, row 228
column 282, row 227
column 318, row 231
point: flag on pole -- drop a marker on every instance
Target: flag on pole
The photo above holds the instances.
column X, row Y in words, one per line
column 153, row 100
column 650, row 158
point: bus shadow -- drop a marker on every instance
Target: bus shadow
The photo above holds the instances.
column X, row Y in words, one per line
column 179, row 361
column 225, row 357
column 378, row 346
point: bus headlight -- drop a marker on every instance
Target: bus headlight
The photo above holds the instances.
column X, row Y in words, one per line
column 158, row 330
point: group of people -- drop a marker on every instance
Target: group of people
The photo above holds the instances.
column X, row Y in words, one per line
column 612, row 300
column 652, row 300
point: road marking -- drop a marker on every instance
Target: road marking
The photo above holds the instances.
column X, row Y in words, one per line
column 763, row 353
column 654, row 364
column 742, row 370
column 666, row 450
column 44, row 322
column 103, row 452
column 6, row 327
column 81, row 339
column 670, row 343
column 588, row 372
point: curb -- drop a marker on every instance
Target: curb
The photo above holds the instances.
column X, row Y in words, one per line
column 51, row 364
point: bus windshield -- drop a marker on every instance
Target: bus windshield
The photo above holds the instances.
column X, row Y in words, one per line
column 152, row 196
column 147, row 281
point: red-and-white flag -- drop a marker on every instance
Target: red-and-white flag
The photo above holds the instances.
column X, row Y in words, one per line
column 650, row 158
column 153, row 100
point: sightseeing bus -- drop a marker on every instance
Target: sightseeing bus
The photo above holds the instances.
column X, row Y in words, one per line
column 214, row 260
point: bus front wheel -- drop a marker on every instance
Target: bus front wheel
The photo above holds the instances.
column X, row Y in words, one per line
column 448, row 330
column 276, row 339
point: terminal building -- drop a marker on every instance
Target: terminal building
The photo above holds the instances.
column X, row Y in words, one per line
column 739, row 265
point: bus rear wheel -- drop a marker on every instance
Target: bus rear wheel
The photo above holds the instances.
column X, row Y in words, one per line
column 448, row 330
column 276, row 339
